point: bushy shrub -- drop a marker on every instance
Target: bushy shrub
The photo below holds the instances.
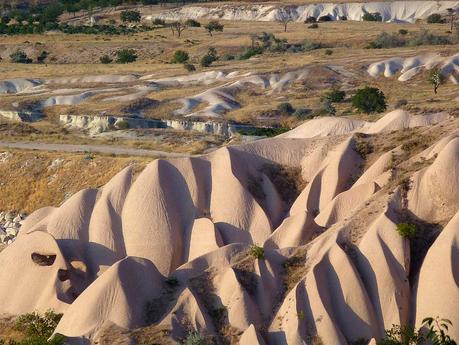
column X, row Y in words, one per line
column 42, row 56
column 425, row 37
column 310, row 20
column 192, row 23
column 400, row 103
column 335, row 95
column 250, row 52
column 385, row 40
column 20, row 56
column 158, row 22
column 403, row 32
column 325, row 19
column 257, row 252
column 105, row 59
column 189, row 67
column 432, row 331
column 132, row 16
column 285, row 108
column 209, row 58
column 122, row 124
column 326, row 108
column 302, row 113
column 228, row 57
column 309, row 45
column 194, row 338
column 180, row 56
column 328, row 52
column 36, row 325
column 271, row 43
column 369, row 100
column 264, row 131
column 435, row 18
column 372, row 17
column 406, row 230
column 124, row 56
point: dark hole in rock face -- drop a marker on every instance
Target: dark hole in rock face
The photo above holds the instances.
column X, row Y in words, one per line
column 63, row 275
column 43, row 260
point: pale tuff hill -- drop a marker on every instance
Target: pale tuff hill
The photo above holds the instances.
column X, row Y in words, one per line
column 172, row 251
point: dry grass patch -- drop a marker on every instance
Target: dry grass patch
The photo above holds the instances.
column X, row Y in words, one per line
column 29, row 180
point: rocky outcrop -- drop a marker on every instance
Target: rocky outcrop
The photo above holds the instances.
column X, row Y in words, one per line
column 99, row 124
column 10, row 224
column 21, row 115
column 391, row 11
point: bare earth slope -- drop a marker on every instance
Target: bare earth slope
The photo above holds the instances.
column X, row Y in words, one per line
column 170, row 252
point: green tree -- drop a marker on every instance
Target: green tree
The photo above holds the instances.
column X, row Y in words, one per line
column 212, row 26
column 435, row 77
column 126, row 56
column 369, row 100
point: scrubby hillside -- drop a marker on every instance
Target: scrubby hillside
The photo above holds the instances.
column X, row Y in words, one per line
column 306, row 238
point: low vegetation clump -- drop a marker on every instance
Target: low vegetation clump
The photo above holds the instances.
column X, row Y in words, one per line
column 158, row 22
column 209, row 58
column 180, row 56
column 435, row 18
column 194, row 338
column 427, row 38
column 105, row 59
column 192, row 23
column 40, row 28
column 36, row 329
column 325, row 18
column 20, row 56
column 264, row 131
column 172, row 282
column 285, row 108
column 189, row 67
column 250, row 52
column 433, row 331
column 335, row 95
column 257, row 252
column 369, row 100
column 386, row 40
column 310, row 20
column 123, row 124
column 372, row 17
column 326, row 107
column 310, row 45
column 124, row 56
column 406, row 230
column 130, row 16
column 302, row 113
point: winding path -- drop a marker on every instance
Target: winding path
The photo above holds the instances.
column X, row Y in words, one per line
column 106, row 149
